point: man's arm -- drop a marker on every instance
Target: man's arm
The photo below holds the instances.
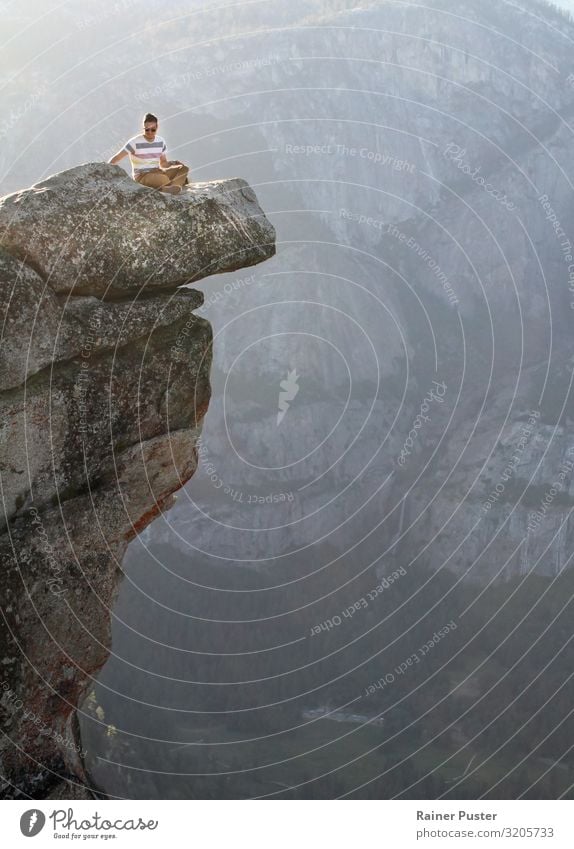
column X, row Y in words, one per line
column 119, row 155
column 164, row 162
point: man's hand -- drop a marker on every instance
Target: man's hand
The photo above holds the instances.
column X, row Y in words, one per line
column 119, row 155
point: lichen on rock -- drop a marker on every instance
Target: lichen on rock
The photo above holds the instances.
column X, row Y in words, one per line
column 92, row 230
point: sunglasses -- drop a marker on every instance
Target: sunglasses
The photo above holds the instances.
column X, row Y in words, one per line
column 150, row 129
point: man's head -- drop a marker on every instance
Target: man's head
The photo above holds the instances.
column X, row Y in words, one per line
column 149, row 125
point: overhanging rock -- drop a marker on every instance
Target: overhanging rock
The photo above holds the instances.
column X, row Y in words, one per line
column 92, row 230
column 104, row 384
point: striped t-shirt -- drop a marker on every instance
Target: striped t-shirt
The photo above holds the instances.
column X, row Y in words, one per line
column 144, row 155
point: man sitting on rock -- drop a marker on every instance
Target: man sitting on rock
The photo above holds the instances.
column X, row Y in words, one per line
column 149, row 164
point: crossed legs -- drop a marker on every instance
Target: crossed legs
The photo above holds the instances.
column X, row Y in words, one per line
column 164, row 178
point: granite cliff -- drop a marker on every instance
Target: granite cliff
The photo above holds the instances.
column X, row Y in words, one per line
column 104, row 385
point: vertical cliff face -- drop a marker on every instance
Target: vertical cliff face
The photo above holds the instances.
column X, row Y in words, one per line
column 104, row 382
